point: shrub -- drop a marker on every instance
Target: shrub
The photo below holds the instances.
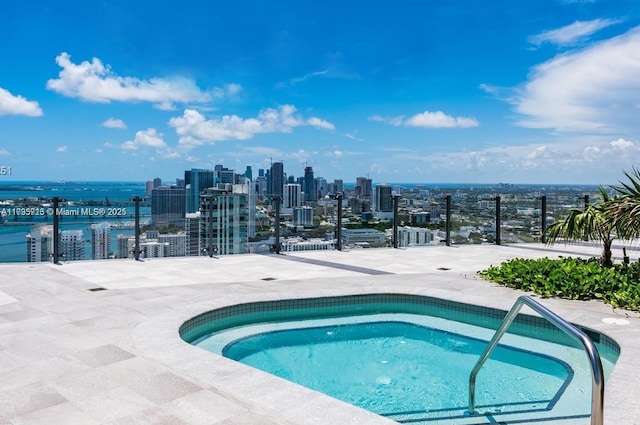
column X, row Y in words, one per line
column 571, row 278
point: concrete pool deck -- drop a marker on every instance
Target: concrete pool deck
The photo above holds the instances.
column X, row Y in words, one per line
column 97, row 342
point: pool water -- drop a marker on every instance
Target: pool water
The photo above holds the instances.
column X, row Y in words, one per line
column 395, row 368
column 408, row 357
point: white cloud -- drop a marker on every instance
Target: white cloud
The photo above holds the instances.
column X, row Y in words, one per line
column 149, row 137
column 320, row 123
column 194, row 129
column 62, row 148
column 18, row 105
column 573, row 33
column 353, row 137
column 95, row 82
column 621, row 144
column 428, row 119
column 595, row 89
column 114, row 123
column 4, row 152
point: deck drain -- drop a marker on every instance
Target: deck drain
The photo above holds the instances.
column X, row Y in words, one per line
column 268, row 278
column 97, row 289
column 443, row 268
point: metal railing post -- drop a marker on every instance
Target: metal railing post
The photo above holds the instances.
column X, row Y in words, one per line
column 136, row 244
column 447, row 228
column 56, row 230
column 543, row 214
column 497, row 220
column 339, row 229
column 276, row 200
column 395, row 221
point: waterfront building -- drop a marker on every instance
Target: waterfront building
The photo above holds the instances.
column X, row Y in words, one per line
column 196, row 180
column 224, row 221
column 72, row 245
column 153, row 249
column 176, row 244
column 40, row 244
column 149, row 187
column 168, row 205
column 100, row 241
column 303, row 216
column 123, row 249
column 364, row 238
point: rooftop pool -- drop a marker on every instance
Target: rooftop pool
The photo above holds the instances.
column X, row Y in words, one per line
column 408, row 357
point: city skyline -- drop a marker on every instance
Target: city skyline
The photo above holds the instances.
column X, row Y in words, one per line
column 418, row 92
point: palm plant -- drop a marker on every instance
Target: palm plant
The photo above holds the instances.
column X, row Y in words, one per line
column 625, row 208
column 593, row 222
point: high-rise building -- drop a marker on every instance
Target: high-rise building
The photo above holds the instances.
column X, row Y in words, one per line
column 124, row 248
column 157, row 182
column 100, row 241
column 223, row 222
column 383, row 202
column 363, row 188
column 149, row 187
column 321, row 187
column 40, row 244
column 303, row 216
column 168, row 205
column 338, row 186
column 276, row 174
column 248, row 173
column 196, row 180
column 192, row 230
column 176, row 245
column 309, row 185
column 292, row 197
column 72, row 245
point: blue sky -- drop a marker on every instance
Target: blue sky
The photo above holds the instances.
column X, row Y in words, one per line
column 544, row 91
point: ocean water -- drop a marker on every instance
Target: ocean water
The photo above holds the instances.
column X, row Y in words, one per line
column 13, row 230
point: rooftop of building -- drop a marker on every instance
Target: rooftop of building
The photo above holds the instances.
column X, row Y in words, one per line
column 96, row 342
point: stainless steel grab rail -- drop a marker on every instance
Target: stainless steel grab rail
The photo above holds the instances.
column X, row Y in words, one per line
column 597, row 376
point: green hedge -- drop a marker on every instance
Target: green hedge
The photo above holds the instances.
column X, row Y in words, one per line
column 571, row 278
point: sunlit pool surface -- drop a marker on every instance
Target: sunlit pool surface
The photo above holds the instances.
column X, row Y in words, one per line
column 415, row 368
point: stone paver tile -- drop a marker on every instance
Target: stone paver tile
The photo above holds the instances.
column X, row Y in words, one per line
column 104, row 355
column 204, row 408
column 66, row 413
column 112, row 404
column 163, row 387
column 24, row 400
column 153, row 416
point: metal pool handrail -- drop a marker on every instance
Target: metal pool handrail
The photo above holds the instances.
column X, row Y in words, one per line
column 597, row 376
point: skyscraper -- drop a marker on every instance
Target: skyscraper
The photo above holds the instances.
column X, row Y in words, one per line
column 39, row 244
column 309, row 185
column 292, row 197
column 223, row 222
column 276, row 175
column 248, row 173
column 71, row 245
column 363, row 188
column 100, row 241
column 196, row 180
column 168, row 205
column 384, row 199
